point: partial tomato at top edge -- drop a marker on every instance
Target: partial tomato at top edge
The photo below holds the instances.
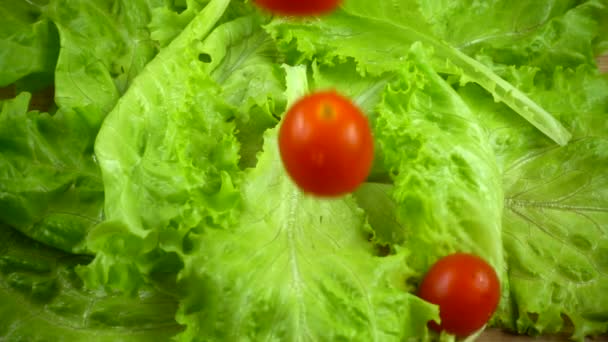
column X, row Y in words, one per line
column 467, row 290
column 299, row 7
column 326, row 144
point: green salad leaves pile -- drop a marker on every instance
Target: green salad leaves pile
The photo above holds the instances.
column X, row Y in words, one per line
column 148, row 200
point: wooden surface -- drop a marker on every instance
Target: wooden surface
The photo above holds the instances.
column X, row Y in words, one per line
column 603, row 63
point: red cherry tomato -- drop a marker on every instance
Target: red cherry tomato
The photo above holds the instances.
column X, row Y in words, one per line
column 299, row 7
column 467, row 291
column 326, row 144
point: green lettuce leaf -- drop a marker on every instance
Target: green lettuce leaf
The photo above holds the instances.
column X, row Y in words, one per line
column 446, row 182
column 29, row 45
column 50, row 186
column 579, row 97
column 555, row 228
column 163, row 172
column 544, row 35
column 169, row 151
column 296, row 267
column 43, row 299
column 199, row 234
column 104, row 46
column 378, row 40
column 554, row 221
column 171, row 18
column 244, row 61
column 539, row 33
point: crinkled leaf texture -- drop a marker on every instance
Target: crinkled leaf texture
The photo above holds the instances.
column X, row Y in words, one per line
column 44, row 300
column 297, row 268
column 28, row 44
column 169, row 151
column 556, row 238
column 50, row 185
column 544, row 50
column 168, row 158
column 103, row 48
column 170, row 19
column 447, row 190
column 379, row 39
column 555, row 221
column 453, row 192
column 555, row 216
column 193, row 210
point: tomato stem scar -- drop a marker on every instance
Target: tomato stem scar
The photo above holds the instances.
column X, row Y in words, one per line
column 327, row 112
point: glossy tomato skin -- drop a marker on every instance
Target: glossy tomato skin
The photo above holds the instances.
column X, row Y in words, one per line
column 467, row 291
column 326, row 144
column 299, row 7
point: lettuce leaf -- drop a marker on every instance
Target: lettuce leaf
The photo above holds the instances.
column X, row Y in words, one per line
column 542, row 34
column 243, row 60
column 50, row 187
column 198, row 234
column 169, row 19
column 43, row 299
column 538, row 34
column 379, row 40
column 295, row 267
column 172, row 17
column 447, row 186
column 555, row 225
column 199, row 215
column 163, row 174
column 103, row 48
column 28, row 46
column 169, row 151
column 577, row 96
column 555, row 221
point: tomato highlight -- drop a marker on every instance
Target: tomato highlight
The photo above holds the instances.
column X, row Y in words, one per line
column 326, row 144
column 467, row 291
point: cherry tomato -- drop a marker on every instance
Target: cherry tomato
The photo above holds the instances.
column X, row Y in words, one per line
column 326, row 144
column 466, row 289
column 299, row 7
